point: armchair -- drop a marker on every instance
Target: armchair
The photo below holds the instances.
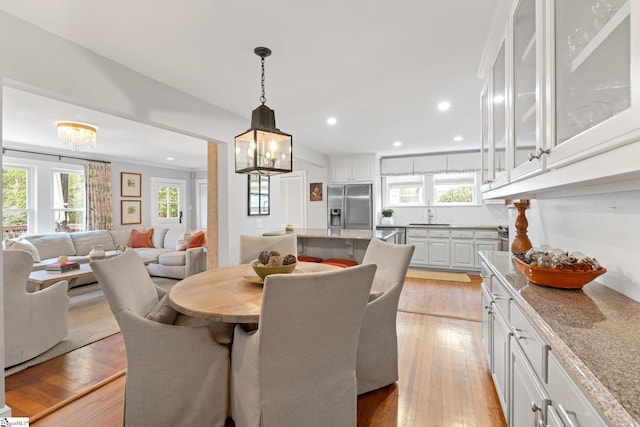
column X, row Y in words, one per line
column 298, row 367
column 251, row 246
column 377, row 360
column 33, row 322
column 176, row 375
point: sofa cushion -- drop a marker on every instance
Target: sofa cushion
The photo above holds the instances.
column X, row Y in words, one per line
column 196, row 240
column 121, row 237
column 173, row 258
column 172, row 237
column 162, row 312
column 141, row 239
column 150, row 254
column 52, row 245
column 23, row 245
column 85, row 240
column 157, row 238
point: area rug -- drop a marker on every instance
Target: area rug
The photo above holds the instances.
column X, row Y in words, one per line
column 90, row 320
column 437, row 275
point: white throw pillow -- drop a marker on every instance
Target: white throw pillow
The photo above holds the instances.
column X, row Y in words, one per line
column 23, row 245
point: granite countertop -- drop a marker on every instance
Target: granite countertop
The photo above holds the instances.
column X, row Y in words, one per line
column 336, row 234
column 466, row 226
column 594, row 331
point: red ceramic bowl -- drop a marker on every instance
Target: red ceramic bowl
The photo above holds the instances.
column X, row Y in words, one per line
column 554, row 278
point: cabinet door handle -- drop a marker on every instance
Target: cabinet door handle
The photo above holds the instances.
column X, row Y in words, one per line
column 535, row 407
column 532, row 156
column 564, row 415
column 517, row 335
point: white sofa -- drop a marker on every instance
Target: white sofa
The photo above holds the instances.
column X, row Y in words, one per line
column 164, row 259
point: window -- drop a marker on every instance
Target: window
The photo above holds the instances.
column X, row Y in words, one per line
column 454, row 189
column 16, row 200
column 168, row 202
column 68, row 201
column 406, row 190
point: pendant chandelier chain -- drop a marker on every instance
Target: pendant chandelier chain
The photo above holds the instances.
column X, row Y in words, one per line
column 263, row 99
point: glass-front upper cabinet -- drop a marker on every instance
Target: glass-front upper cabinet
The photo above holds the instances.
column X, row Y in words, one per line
column 498, row 114
column 527, row 84
column 484, row 151
column 595, row 59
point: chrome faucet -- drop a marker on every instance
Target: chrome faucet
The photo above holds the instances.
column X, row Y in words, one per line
column 430, row 214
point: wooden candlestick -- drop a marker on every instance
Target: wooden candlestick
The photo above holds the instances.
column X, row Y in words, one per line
column 521, row 242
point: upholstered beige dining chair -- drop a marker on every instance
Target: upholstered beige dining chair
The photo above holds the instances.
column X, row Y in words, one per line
column 377, row 362
column 33, row 322
column 176, row 375
column 298, row 367
column 251, row 246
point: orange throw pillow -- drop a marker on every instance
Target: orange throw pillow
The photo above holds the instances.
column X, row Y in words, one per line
column 196, row 240
column 141, row 240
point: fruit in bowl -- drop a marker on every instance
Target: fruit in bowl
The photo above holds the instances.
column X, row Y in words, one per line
column 273, row 263
column 556, row 268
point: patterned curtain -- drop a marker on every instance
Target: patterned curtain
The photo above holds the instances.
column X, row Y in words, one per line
column 97, row 177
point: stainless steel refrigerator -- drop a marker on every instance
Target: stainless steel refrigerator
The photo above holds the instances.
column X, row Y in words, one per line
column 350, row 206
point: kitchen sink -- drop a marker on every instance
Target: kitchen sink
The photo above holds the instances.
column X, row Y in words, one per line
column 432, row 225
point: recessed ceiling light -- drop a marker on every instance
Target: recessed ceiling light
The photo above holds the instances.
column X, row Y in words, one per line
column 170, row 158
column 444, row 105
column 332, row 121
column 457, row 138
column 397, row 143
column 498, row 99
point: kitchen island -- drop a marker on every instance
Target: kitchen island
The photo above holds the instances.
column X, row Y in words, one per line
column 328, row 243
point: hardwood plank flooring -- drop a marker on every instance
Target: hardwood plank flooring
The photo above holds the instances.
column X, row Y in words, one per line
column 444, row 378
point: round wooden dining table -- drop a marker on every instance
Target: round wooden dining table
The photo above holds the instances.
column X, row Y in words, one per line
column 229, row 294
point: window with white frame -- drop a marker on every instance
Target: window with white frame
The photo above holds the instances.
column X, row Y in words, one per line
column 404, row 190
column 454, row 189
column 68, row 200
column 17, row 200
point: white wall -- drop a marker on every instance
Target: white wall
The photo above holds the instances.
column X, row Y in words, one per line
column 489, row 214
column 604, row 226
column 316, row 211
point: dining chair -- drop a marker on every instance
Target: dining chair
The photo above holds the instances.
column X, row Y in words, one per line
column 33, row 321
column 298, row 367
column 377, row 360
column 251, row 246
column 176, row 375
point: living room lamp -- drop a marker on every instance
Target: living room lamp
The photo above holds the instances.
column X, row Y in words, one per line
column 78, row 136
column 263, row 149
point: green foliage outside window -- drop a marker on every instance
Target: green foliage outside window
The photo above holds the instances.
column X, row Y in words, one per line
column 459, row 194
column 14, row 197
column 168, row 202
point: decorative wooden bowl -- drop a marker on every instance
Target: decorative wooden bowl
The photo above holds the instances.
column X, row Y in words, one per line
column 265, row 271
column 555, row 278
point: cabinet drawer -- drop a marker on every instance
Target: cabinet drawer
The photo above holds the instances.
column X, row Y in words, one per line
column 501, row 297
column 487, row 235
column 534, row 347
column 420, row 232
column 439, row 233
column 568, row 399
column 462, row 234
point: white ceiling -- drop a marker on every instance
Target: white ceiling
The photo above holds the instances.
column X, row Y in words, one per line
column 379, row 67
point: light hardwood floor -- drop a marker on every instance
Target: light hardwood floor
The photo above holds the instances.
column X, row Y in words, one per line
column 444, row 378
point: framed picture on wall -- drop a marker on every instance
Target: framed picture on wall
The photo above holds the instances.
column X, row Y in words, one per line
column 130, row 184
column 315, row 192
column 131, row 212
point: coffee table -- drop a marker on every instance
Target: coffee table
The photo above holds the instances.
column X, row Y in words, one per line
column 43, row 278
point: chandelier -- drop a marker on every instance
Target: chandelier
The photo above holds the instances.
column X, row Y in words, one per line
column 263, row 149
column 78, row 136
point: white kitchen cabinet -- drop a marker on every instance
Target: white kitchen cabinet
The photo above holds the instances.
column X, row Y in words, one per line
column 571, row 405
column 539, row 390
column 528, row 400
column 463, row 253
column 572, row 98
column 438, row 252
column 421, row 252
column 352, row 169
